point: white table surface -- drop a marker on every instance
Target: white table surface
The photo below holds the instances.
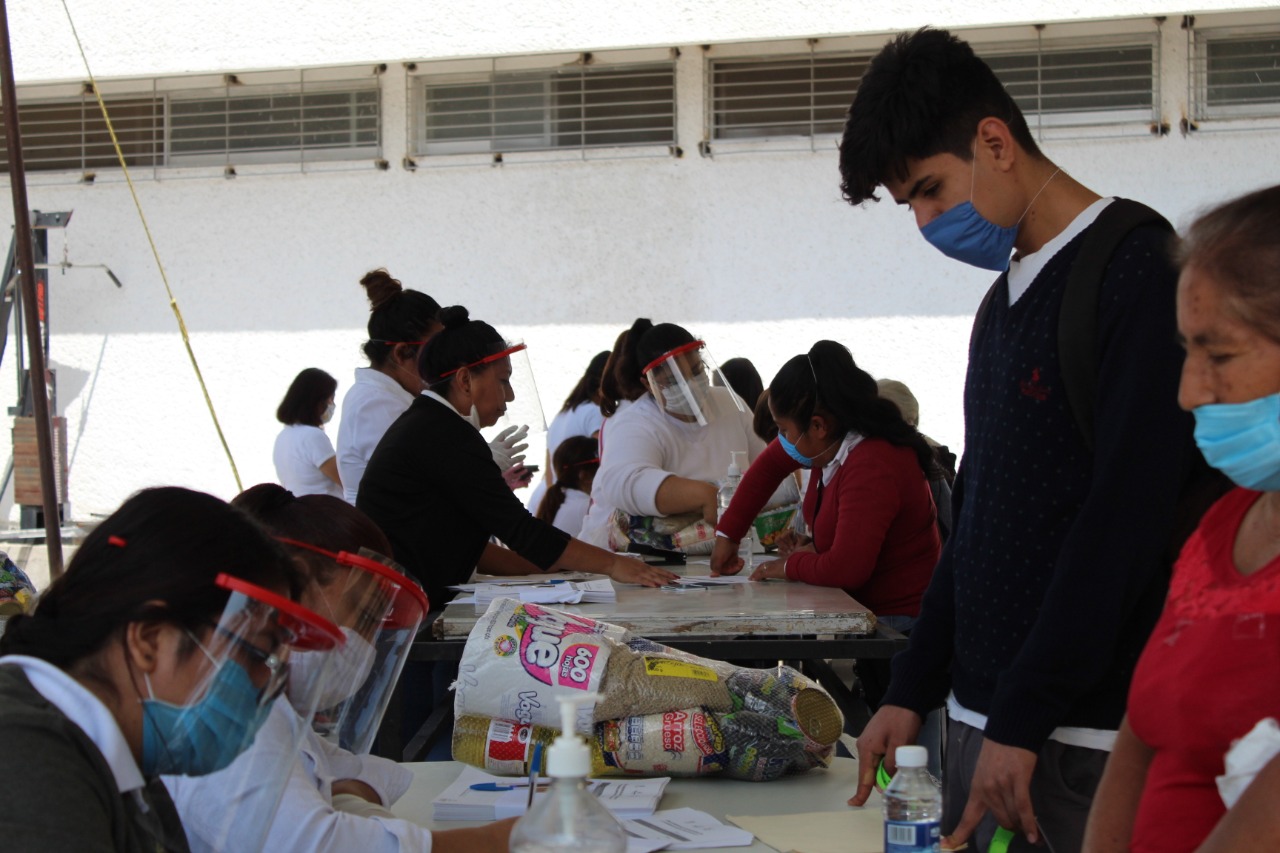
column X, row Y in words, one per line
column 817, row 790
column 762, row 609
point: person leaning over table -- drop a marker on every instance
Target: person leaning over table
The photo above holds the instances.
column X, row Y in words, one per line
column 432, row 487
column 665, row 454
column 335, row 801
column 1057, row 565
column 136, row 663
column 1211, row 669
column 875, row 532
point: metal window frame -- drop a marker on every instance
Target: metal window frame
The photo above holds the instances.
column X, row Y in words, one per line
column 1137, row 121
column 711, row 123
column 1206, row 114
column 545, row 69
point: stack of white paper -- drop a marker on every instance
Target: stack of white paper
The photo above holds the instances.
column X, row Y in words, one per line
column 686, row 829
column 501, row 797
column 546, row 592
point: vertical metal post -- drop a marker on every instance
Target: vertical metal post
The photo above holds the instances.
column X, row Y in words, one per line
column 30, row 309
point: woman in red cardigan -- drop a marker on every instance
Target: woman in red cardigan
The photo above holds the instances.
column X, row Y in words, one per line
column 868, row 507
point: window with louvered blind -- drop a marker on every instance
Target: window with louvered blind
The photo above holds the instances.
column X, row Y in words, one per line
column 71, row 133
column 583, row 106
column 1078, row 85
column 1236, row 73
column 250, row 124
column 800, row 95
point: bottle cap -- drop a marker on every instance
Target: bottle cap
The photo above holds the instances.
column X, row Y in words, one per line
column 911, row 756
column 569, row 757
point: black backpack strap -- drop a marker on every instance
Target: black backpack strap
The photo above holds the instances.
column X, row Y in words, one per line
column 1078, row 316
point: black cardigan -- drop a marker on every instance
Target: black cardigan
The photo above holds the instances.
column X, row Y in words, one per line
column 433, row 488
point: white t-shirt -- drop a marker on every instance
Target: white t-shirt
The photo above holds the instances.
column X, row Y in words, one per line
column 370, row 407
column 306, row 818
column 644, row 446
column 572, row 512
column 1023, row 270
column 582, row 419
column 300, row 451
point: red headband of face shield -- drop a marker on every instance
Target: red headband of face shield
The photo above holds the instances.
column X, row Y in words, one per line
column 408, row 602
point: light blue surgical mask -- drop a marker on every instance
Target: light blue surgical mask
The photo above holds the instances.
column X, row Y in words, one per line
column 795, row 454
column 1242, row 440
column 204, row 737
column 966, row 235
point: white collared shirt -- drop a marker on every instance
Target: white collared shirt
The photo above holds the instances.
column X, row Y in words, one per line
column 86, row 710
column 851, row 440
column 369, row 408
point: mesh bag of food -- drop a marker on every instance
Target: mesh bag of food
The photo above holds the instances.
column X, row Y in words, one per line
column 661, row 711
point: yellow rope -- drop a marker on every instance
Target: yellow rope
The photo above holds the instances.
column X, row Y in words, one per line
column 173, row 302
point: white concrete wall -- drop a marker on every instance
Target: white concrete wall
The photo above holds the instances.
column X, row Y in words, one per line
column 754, row 251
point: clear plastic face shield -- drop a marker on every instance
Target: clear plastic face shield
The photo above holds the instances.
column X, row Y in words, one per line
column 506, row 391
column 681, row 382
column 379, row 610
column 243, row 660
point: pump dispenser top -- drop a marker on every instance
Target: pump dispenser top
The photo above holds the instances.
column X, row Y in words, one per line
column 569, row 757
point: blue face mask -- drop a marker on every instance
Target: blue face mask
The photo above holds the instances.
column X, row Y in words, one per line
column 790, row 448
column 1242, row 440
column 966, row 235
column 194, row 740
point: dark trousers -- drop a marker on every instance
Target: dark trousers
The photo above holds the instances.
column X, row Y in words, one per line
column 1062, row 789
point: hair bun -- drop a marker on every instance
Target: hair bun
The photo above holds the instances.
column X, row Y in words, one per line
column 380, row 287
column 454, row 317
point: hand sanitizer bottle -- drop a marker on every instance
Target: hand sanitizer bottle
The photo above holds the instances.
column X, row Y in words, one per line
column 732, row 477
column 568, row 817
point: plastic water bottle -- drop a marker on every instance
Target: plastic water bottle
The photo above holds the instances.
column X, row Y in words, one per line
column 568, row 817
column 747, row 549
column 912, row 805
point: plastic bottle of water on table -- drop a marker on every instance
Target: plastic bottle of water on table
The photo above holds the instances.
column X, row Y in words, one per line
column 912, row 805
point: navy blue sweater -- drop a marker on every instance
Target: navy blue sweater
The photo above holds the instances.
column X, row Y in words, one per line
column 1057, row 568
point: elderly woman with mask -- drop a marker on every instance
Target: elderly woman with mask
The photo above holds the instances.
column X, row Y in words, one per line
column 1208, row 673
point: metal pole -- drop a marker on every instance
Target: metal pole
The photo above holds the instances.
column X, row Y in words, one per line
column 31, row 316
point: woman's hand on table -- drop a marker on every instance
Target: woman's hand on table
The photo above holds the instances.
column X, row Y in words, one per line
column 631, row 570
column 771, row 570
column 724, row 558
column 356, row 788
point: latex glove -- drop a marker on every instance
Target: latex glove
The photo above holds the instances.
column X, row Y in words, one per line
column 506, row 448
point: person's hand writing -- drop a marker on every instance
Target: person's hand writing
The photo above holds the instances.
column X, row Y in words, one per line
column 1001, row 785
column 724, row 558
column 770, row 570
column 891, row 727
column 631, row 570
column 356, row 788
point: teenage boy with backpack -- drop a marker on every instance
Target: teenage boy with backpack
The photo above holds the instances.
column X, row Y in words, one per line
column 1066, row 501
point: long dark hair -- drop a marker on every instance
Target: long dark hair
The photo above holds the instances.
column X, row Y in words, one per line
column 826, row 380
column 321, row 520
column 744, row 379
column 396, row 316
column 588, row 388
column 621, row 379
column 152, row 560
column 576, row 457
column 305, row 400
column 461, row 342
